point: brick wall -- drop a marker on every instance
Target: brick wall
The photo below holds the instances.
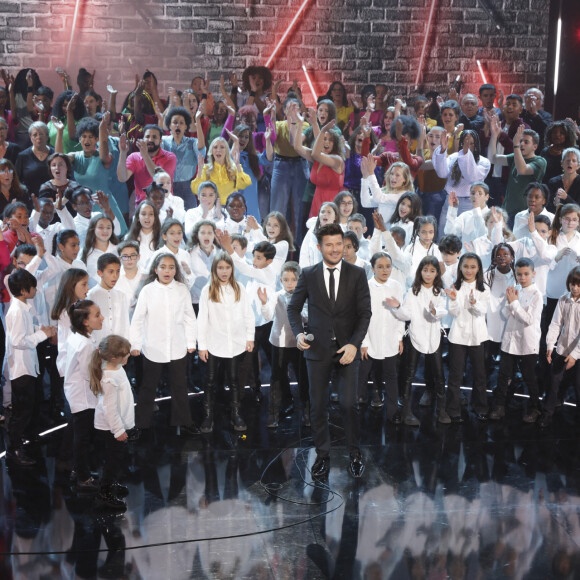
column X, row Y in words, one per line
column 356, row 41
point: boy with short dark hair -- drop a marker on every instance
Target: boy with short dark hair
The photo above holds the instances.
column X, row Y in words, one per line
column 22, row 337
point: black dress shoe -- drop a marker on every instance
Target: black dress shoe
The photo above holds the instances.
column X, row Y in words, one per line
column 483, row 417
column 396, row 419
column 357, row 465
column 320, row 468
column 21, row 458
column 189, row 430
column 457, row 419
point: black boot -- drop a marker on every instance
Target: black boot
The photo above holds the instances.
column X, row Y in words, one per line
column 237, row 421
column 208, row 403
column 107, row 499
column 406, row 412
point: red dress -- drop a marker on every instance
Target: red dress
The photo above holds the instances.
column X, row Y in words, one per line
column 328, row 184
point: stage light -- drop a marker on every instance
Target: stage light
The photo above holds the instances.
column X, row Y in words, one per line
column 481, row 72
column 72, row 32
column 425, row 40
column 311, row 86
column 288, row 31
column 557, row 63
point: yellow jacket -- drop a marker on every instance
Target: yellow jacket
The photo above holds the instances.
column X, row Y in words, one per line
column 219, row 176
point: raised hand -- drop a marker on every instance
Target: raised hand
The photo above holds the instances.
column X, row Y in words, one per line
column 58, row 125
column 500, row 100
column 39, row 244
column 35, row 202
column 142, row 146
column 379, row 221
column 111, row 90
column 72, row 103
column 495, row 125
column 252, row 223
column 444, row 141
column 531, row 222
column 262, row 295
column 518, row 136
column 472, row 299
column 123, row 144
column 453, row 201
column 391, row 302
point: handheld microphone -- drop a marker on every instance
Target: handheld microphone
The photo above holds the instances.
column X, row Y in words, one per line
column 309, row 337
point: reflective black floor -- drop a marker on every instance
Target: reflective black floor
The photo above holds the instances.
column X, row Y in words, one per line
column 472, row 501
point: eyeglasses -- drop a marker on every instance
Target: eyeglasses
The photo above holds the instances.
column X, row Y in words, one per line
column 346, row 203
column 131, row 257
column 6, row 171
column 570, row 220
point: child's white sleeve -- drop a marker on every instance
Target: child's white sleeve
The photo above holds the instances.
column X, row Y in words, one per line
column 203, row 319
column 18, row 337
column 249, row 319
column 440, row 164
column 269, row 308
column 138, row 321
column 453, row 225
column 554, row 328
column 369, row 186
column 531, row 314
column 265, row 275
column 481, row 304
column 190, row 322
column 110, row 407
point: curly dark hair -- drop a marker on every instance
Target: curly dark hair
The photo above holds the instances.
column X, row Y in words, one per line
column 79, row 112
column 569, row 132
column 182, row 112
column 88, row 125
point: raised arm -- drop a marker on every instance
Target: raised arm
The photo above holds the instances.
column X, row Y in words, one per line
column 106, row 157
column 123, row 174
column 521, row 166
column 335, row 162
column 70, row 117
column 495, row 129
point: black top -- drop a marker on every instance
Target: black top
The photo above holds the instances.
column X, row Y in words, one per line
column 32, row 172
column 12, row 151
column 24, row 197
column 573, row 193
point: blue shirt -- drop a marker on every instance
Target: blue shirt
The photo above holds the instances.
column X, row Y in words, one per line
column 186, row 153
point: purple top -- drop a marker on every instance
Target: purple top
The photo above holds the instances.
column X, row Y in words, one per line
column 259, row 136
column 352, row 172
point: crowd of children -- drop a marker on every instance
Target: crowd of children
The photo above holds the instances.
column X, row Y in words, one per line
column 202, row 274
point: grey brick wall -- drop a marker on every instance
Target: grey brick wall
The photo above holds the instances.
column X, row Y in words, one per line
column 355, row 41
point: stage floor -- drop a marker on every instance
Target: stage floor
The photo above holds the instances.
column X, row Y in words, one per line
column 461, row 501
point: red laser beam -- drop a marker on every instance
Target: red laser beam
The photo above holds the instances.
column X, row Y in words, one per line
column 288, row 31
column 72, row 32
column 425, row 40
column 481, row 72
column 310, row 85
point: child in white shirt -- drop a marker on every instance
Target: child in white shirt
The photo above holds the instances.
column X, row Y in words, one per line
column 351, row 248
column 521, row 340
column 42, row 216
column 209, row 207
column 114, row 414
column 22, row 337
column 173, row 205
column 112, row 302
column 131, row 275
column 537, row 195
column 146, row 230
column 470, row 224
column 358, row 224
column 309, row 252
column 202, row 248
column 226, row 333
column 284, row 350
column 383, row 342
column 422, row 244
column 100, row 240
column 82, row 202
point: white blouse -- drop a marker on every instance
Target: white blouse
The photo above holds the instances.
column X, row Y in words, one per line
column 226, row 326
column 183, row 257
column 371, row 195
column 77, row 388
column 469, row 225
column 163, row 325
column 470, row 170
column 92, row 258
column 200, row 270
column 385, row 330
column 425, row 327
column 565, row 327
column 417, row 252
column 115, row 411
column 115, row 310
column 522, row 330
column 401, row 260
column 496, row 318
column 468, row 327
column 521, row 229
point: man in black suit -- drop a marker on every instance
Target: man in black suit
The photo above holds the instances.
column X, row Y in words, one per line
column 339, row 312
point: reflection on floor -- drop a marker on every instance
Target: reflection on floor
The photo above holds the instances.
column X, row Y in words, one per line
column 465, row 501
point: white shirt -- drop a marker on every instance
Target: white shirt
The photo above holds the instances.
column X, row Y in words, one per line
column 565, row 328
column 364, row 250
column 82, row 225
column 77, row 388
column 194, row 215
column 226, row 326
column 47, row 234
column 146, row 249
column 115, row 411
column 326, row 271
column 200, row 270
column 21, row 341
column 521, row 229
column 496, row 318
column 366, row 266
column 49, row 278
column 425, row 327
column 468, row 327
column 522, row 330
column 470, row 170
column 175, row 203
column 275, row 309
column 556, row 285
column 469, row 225
column 63, row 332
column 92, row 258
column 309, row 252
column 401, row 260
column 371, row 195
column 385, row 331
column 182, row 256
column 163, row 325
column 129, row 288
column 115, row 310
column 417, row 252
column 527, row 248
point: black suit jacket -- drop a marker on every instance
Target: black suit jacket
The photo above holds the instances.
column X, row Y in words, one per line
column 348, row 320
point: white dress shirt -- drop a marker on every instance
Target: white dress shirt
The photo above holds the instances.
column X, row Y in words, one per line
column 163, row 325
column 21, row 341
column 496, row 317
column 425, row 327
column 565, row 327
column 175, row 203
column 275, row 309
column 200, row 270
column 522, row 330
column 470, row 170
column 225, row 327
column 182, row 256
column 401, row 260
column 92, row 258
column 326, row 271
column 146, row 250
column 77, row 388
column 521, row 229
column 528, row 248
column 47, row 234
column 309, row 252
column 417, row 252
column 468, row 327
column 82, row 225
column 115, row 411
column 469, row 225
column 115, row 310
column 385, row 331
column 371, row 195
column 194, row 215
column 130, row 287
